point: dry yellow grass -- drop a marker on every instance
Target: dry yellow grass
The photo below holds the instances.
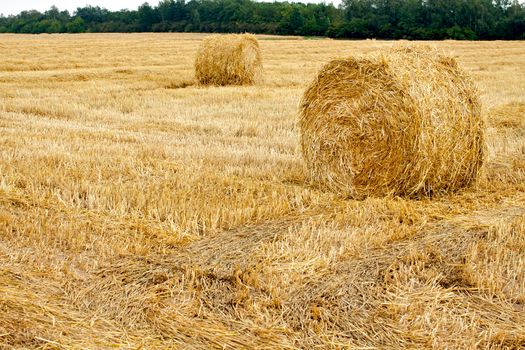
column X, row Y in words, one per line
column 137, row 211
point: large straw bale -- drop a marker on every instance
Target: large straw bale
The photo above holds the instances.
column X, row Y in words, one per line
column 403, row 122
column 233, row 59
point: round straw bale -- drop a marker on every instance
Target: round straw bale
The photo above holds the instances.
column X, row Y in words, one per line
column 232, row 59
column 404, row 122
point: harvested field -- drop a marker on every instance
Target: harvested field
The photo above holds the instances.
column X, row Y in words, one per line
column 138, row 210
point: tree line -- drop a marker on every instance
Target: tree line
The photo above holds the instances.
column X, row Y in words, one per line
column 382, row 19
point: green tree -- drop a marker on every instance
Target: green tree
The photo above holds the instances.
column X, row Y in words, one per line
column 292, row 20
column 148, row 16
column 392, row 19
column 77, row 25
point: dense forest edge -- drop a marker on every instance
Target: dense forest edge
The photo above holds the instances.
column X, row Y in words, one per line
column 357, row 19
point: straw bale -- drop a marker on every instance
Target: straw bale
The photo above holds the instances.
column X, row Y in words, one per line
column 233, row 59
column 403, row 122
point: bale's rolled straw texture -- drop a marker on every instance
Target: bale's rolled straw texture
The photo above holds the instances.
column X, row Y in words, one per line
column 404, row 122
column 233, row 59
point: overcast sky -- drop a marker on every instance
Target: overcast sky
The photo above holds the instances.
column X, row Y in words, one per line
column 13, row 7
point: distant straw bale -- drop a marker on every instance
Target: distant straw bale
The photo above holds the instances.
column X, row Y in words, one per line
column 233, row 59
column 403, row 122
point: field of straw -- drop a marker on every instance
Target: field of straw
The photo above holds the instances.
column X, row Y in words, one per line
column 139, row 211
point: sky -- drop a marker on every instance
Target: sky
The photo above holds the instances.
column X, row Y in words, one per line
column 13, row 7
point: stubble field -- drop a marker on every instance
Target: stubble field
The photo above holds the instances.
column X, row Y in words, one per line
column 140, row 211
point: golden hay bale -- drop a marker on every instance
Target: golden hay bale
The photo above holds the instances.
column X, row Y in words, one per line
column 404, row 122
column 233, row 59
